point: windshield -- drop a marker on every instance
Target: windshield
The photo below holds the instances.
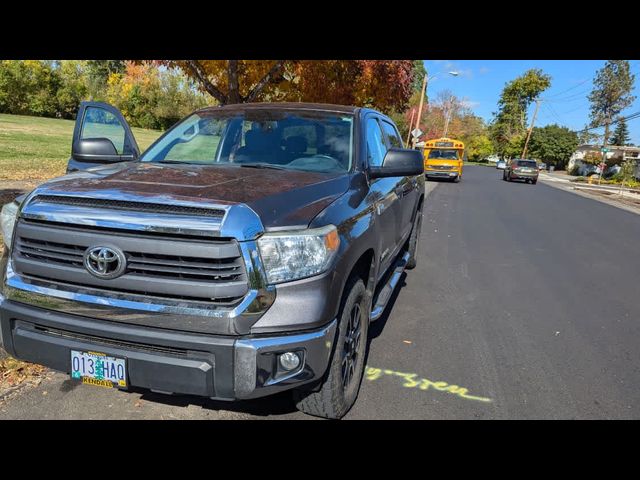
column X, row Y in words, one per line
column 444, row 154
column 526, row 163
column 296, row 140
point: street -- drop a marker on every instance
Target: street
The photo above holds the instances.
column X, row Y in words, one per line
column 524, row 305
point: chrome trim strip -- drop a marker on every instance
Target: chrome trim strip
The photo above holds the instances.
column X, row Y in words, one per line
column 239, row 221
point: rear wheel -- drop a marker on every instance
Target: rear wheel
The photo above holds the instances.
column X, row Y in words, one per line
column 533, row 182
column 341, row 385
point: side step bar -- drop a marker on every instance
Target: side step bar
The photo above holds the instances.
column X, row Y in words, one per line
column 387, row 290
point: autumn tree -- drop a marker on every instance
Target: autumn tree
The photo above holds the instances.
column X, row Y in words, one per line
column 383, row 84
column 509, row 125
column 611, row 94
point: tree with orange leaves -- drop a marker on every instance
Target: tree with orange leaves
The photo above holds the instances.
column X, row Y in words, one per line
column 382, row 84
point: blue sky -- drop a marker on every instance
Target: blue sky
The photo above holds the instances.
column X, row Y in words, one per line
column 480, row 83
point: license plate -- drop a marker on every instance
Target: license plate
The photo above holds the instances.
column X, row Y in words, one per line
column 98, row 369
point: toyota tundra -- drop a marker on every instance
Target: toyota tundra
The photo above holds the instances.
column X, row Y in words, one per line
column 244, row 253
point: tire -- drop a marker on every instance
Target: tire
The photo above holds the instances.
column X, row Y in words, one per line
column 335, row 397
column 509, row 178
column 504, row 176
column 414, row 240
column 457, row 179
column 533, row 182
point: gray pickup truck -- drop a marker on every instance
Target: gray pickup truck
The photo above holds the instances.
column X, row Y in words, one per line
column 244, row 253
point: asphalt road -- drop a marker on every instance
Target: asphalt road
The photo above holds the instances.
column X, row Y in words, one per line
column 524, row 305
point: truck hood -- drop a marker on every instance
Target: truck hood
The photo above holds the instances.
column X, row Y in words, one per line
column 279, row 197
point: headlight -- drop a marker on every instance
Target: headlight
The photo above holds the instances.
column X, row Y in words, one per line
column 8, row 220
column 291, row 255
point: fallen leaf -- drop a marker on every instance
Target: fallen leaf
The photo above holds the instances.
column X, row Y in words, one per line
column 45, row 392
column 137, row 404
column 407, row 341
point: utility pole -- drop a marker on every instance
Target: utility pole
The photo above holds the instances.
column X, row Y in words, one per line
column 448, row 117
column 413, row 114
column 424, row 89
column 526, row 143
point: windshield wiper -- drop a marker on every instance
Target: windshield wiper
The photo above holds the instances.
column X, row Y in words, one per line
column 262, row 165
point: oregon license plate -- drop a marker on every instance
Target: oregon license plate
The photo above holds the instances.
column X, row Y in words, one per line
column 99, row 369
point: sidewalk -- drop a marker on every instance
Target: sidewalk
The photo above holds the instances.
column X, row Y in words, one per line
column 627, row 199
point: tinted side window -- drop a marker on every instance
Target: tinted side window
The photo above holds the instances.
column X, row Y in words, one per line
column 391, row 134
column 376, row 148
column 100, row 123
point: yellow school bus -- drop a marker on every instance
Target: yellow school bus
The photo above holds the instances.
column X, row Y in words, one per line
column 443, row 158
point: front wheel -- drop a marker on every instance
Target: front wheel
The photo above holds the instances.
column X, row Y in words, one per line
column 341, row 385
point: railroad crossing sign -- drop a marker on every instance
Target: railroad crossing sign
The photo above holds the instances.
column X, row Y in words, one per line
column 416, row 132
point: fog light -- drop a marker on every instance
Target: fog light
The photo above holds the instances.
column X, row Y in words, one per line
column 289, row 361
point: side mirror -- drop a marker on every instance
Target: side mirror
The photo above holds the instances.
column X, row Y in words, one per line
column 98, row 150
column 399, row 162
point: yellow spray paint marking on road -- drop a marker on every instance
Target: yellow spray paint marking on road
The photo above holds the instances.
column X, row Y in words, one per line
column 411, row 380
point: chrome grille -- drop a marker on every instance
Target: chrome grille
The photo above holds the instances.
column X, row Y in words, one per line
column 442, row 167
column 206, row 270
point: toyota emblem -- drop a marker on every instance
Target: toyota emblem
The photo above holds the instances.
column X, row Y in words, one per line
column 105, row 262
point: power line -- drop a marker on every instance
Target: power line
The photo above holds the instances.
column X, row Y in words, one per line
column 569, row 89
column 629, row 117
column 554, row 113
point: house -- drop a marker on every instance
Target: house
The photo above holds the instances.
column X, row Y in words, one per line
column 614, row 155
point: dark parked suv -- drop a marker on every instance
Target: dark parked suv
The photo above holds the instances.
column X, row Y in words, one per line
column 521, row 169
column 243, row 254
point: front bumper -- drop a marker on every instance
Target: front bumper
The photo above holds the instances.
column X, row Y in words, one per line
column 442, row 173
column 168, row 361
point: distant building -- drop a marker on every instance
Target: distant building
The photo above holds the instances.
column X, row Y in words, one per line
column 616, row 154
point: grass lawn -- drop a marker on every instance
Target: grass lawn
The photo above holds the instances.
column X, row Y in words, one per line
column 35, row 148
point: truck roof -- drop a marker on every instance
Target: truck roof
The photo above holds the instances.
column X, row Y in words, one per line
column 283, row 106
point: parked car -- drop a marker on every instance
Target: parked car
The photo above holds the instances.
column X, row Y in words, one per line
column 501, row 164
column 243, row 254
column 521, row 169
column 542, row 166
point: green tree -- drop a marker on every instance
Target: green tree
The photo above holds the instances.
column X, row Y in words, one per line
column 73, row 87
column 627, row 170
column 587, row 137
column 98, row 72
column 611, row 94
column 28, row 87
column 620, row 135
column 510, row 121
column 553, row 144
column 479, row 147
